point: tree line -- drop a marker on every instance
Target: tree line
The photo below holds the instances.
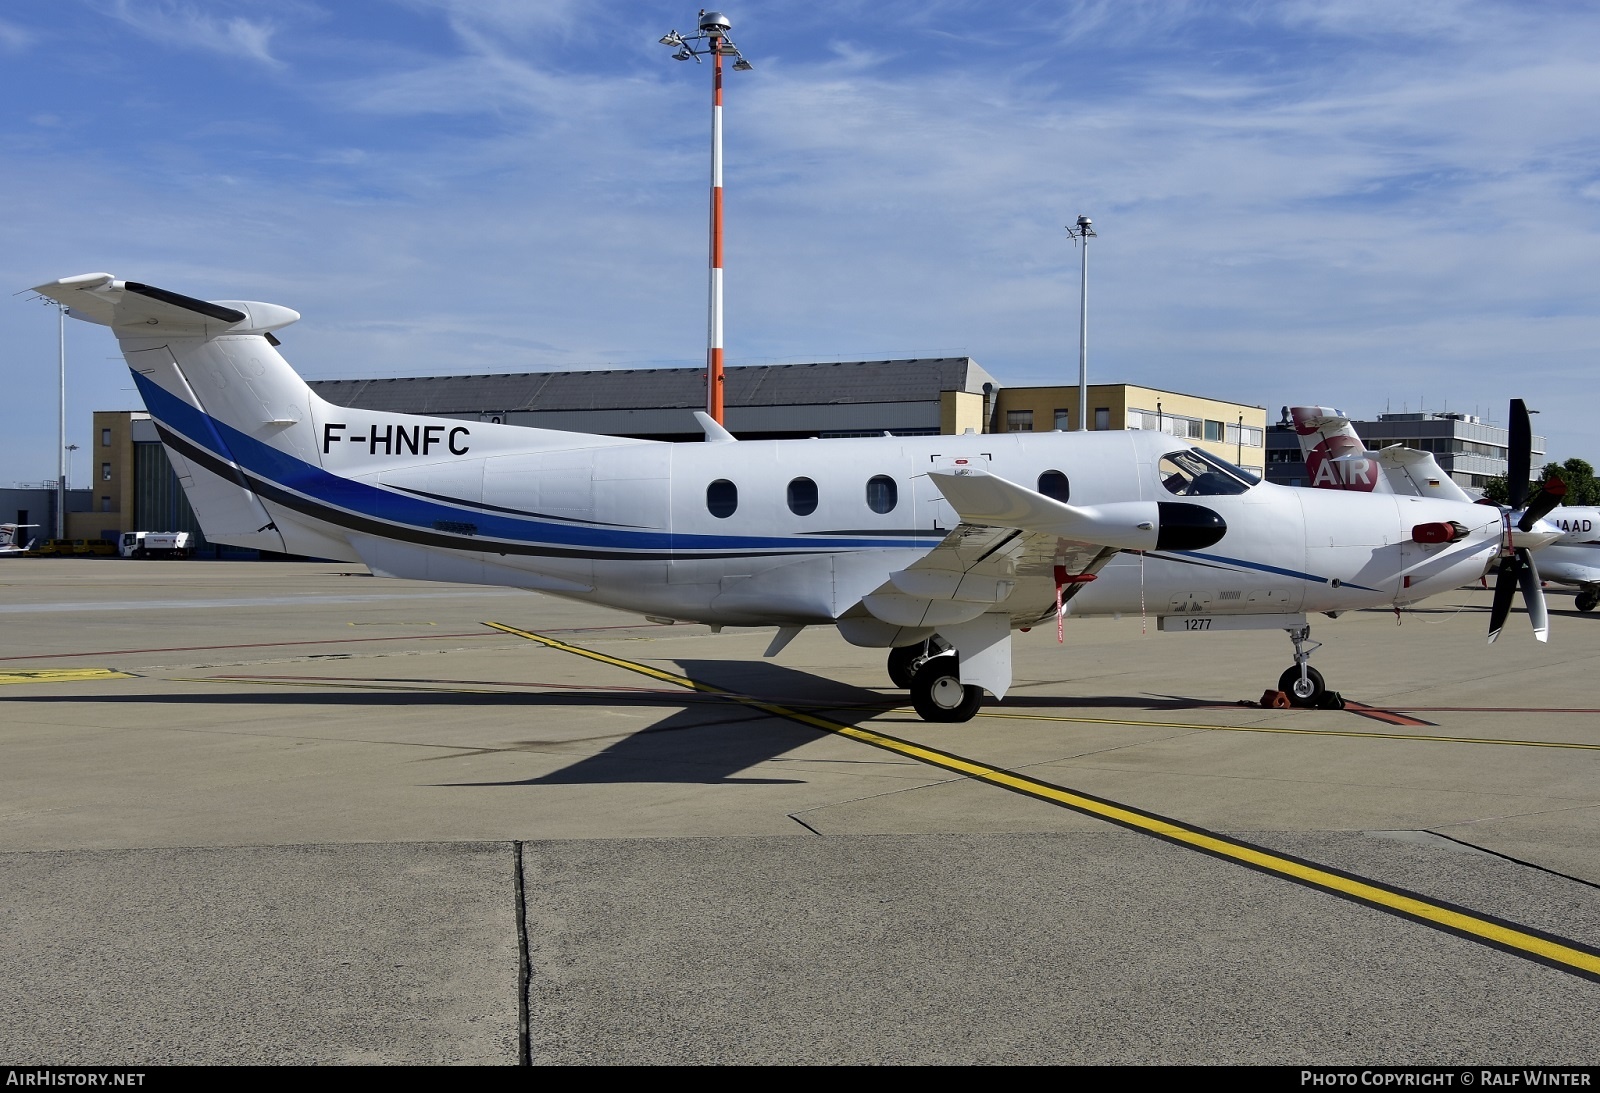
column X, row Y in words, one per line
column 1576, row 474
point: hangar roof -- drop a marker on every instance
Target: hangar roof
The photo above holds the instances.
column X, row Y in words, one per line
column 917, row 380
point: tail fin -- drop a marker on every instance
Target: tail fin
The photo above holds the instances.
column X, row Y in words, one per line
column 1338, row 459
column 214, row 383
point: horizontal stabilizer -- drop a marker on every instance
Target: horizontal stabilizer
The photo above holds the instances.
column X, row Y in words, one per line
column 131, row 307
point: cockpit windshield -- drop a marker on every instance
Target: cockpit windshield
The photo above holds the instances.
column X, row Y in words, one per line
column 1193, row 473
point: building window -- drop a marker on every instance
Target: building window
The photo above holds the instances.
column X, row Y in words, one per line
column 1019, row 421
column 722, row 498
column 1102, row 417
column 1214, row 430
column 105, row 438
column 1063, row 420
column 1054, row 485
column 105, row 472
column 882, row 493
column 105, row 504
column 802, row 497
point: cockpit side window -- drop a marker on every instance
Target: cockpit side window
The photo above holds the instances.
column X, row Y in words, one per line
column 1193, row 473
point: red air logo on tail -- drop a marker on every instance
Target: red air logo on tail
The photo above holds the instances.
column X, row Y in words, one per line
column 1340, row 463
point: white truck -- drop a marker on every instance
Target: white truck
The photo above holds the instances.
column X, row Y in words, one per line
column 155, row 544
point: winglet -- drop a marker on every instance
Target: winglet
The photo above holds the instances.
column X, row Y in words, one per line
column 715, row 434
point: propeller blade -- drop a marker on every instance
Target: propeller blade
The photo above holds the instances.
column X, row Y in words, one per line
column 1519, row 453
column 1548, row 497
column 1533, row 595
column 1505, row 590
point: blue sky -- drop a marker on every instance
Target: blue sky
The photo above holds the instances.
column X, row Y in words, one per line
column 1376, row 206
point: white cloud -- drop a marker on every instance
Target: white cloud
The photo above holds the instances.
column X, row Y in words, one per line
column 14, row 39
column 182, row 24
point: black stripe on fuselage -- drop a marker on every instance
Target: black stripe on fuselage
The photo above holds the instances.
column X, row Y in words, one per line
column 367, row 524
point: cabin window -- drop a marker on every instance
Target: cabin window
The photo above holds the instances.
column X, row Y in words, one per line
column 722, row 498
column 1193, row 473
column 802, row 497
column 1054, row 485
column 882, row 493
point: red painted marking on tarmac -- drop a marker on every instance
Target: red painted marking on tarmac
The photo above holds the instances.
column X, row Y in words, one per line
column 1498, row 709
column 1388, row 717
column 281, row 644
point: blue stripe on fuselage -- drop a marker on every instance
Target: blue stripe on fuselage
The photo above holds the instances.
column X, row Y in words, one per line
column 266, row 462
column 1296, row 574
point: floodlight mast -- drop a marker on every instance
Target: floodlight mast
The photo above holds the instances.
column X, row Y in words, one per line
column 712, row 40
column 61, row 424
column 1083, row 231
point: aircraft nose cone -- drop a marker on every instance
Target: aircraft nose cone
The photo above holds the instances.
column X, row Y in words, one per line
column 1188, row 527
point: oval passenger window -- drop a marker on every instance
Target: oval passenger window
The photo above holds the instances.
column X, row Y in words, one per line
column 722, row 498
column 802, row 497
column 1053, row 484
column 881, row 493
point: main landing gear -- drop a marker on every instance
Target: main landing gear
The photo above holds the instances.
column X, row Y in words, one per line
column 930, row 671
column 1301, row 682
column 1586, row 600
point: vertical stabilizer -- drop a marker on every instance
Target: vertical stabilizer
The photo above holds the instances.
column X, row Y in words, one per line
column 220, row 395
column 1338, row 459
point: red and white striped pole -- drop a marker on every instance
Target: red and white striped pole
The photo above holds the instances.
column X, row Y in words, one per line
column 714, row 318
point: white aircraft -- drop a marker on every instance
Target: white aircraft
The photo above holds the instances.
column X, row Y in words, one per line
column 1336, row 458
column 9, row 534
column 935, row 548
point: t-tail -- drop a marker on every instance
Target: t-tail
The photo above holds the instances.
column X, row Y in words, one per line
column 264, row 462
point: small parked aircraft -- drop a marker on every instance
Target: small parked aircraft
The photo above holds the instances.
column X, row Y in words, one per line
column 935, row 548
column 9, row 534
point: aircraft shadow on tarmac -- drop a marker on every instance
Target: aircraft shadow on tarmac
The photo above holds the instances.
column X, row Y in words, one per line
column 707, row 738
column 688, row 748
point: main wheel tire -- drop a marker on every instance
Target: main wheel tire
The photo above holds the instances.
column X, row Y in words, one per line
column 939, row 695
column 1306, row 693
column 903, row 663
column 1586, row 600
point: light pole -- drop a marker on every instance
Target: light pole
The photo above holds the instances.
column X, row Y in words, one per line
column 713, row 41
column 1083, row 231
column 1238, row 459
column 61, row 426
column 67, row 479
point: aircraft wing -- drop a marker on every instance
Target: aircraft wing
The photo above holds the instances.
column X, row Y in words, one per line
column 1014, row 546
column 980, row 568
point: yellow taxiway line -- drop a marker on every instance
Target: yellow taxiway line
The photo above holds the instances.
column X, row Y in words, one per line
column 1562, row 953
column 59, row 675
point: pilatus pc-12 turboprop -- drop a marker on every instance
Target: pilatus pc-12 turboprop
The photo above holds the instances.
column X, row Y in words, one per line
column 935, row 548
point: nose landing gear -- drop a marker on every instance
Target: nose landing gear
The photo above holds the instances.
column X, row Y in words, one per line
column 1301, row 682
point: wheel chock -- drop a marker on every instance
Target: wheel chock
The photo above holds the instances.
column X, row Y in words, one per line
column 1274, row 700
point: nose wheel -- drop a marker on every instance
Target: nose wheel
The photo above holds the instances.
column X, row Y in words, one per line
column 1301, row 682
column 1303, row 690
